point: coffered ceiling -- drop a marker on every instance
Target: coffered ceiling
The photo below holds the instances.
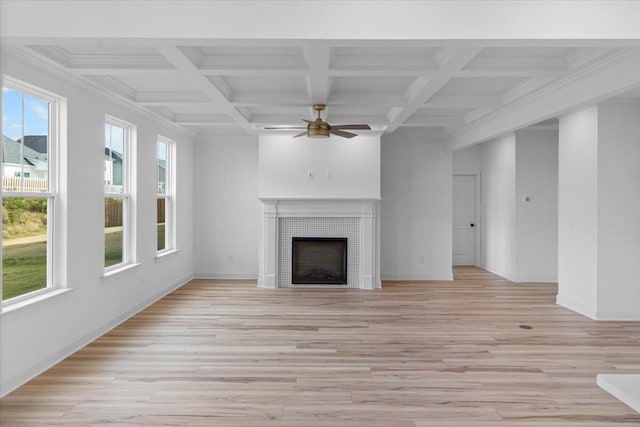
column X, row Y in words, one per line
column 218, row 86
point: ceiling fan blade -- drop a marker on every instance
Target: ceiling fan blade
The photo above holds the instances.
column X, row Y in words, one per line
column 354, row 127
column 341, row 133
column 286, row 127
column 308, row 121
column 300, row 134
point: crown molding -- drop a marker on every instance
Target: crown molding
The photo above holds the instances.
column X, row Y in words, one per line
column 57, row 71
column 457, row 140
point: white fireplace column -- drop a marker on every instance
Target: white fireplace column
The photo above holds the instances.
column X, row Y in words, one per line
column 324, row 213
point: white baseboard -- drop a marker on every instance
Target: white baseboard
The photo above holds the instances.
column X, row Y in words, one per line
column 619, row 316
column 624, row 387
column 503, row 274
column 534, row 278
column 576, row 306
column 17, row 379
column 417, row 277
column 226, row 276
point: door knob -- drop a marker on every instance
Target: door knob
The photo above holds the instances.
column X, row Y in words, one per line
column 472, row 224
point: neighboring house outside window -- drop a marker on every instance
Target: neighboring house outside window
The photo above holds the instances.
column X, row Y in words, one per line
column 30, row 143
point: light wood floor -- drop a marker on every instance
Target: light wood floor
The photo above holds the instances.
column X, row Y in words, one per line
column 410, row 355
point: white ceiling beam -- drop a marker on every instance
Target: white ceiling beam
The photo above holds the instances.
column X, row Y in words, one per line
column 318, row 57
column 267, row 99
column 451, row 60
column 434, row 121
column 616, row 75
column 172, row 98
column 189, row 70
column 458, row 101
column 253, row 62
column 508, row 73
column 254, row 19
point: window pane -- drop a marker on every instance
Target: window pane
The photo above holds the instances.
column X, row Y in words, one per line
column 113, row 242
column 114, row 159
column 162, row 168
column 161, row 209
column 24, row 246
column 25, row 142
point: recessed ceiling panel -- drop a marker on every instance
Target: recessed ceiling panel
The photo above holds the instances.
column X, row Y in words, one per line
column 479, row 85
column 246, row 57
column 156, row 83
column 399, row 58
column 371, row 85
column 266, row 84
column 105, row 57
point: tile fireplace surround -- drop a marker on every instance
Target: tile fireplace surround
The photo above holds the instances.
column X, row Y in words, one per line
column 356, row 219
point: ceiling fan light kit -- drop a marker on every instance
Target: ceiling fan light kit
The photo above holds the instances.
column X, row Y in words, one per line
column 321, row 129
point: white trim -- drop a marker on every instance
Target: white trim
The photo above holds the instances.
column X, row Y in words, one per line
column 56, row 70
column 165, row 255
column 253, row 277
column 16, row 379
column 576, row 306
column 618, row 316
column 127, row 196
column 119, row 272
column 366, row 209
column 544, row 278
column 624, row 387
column 170, row 225
column 55, row 252
column 500, row 273
column 27, row 303
column 446, row 277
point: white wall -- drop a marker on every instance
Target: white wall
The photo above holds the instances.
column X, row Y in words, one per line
column 35, row 337
column 468, row 161
column 285, row 164
column 577, row 211
column 227, row 211
column 619, row 210
column 416, row 209
column 536, row 231
column 498, row 206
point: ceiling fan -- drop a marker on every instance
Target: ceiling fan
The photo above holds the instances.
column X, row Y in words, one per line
column 321, row 129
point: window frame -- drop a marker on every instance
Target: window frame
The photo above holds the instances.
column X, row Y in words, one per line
column 54, row 268
column 168, row 196
column 128, row 207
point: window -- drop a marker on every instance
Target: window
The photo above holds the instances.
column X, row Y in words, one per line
column 118, row 206
column 29, row 190
column 165, row 230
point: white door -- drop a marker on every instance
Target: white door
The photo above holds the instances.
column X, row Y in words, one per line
column 464, row 220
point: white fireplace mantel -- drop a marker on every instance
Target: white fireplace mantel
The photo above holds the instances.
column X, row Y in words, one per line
column 364, row 210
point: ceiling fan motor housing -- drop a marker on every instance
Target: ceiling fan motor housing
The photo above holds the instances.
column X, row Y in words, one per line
column 318, row 129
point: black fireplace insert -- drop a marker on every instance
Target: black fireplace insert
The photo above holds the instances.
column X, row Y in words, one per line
column 319, row 260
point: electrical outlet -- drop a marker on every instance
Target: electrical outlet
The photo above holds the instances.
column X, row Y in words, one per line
column 229, row 258
column 329, row 176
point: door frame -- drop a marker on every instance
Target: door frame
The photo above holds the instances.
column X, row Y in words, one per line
column 477, row 256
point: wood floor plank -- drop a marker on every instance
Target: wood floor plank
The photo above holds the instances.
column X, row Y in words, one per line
column 414, row 354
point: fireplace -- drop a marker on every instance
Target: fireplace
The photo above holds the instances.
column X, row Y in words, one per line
column 319, row 260
column 352, row 220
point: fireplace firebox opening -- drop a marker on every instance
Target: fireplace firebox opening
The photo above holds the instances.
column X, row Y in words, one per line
column 319, row 261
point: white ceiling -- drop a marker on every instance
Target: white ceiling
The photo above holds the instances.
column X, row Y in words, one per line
column 224, row 86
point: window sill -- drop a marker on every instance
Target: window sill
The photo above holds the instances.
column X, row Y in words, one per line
column 165, row 255
column 28, row 305
column 118, row 273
